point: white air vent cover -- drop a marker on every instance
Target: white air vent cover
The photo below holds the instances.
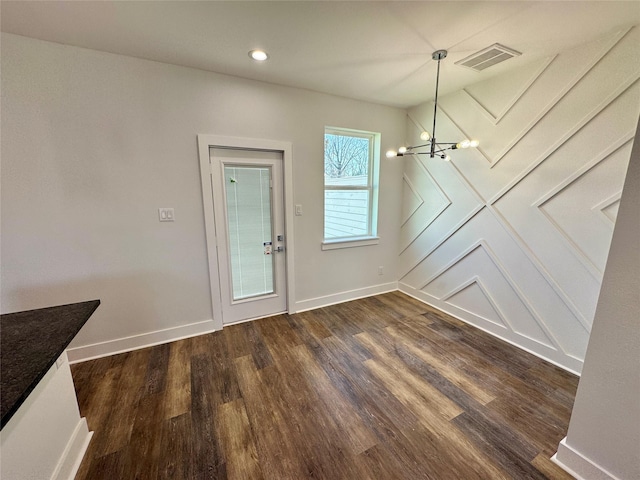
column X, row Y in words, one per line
column 492, row 55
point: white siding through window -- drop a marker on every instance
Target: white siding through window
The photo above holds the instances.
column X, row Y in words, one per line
column 349, row 180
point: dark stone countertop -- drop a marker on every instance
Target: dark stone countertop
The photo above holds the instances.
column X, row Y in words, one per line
column 30, row 343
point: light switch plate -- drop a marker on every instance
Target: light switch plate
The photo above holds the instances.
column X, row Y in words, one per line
column 166, row 214
column 298, row 210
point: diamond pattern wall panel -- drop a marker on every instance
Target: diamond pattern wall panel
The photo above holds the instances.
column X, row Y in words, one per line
column 520, row 247
column 497, row 97
column 473, row 297
column 424, row 201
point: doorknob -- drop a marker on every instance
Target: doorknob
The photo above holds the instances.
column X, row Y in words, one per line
column 280, row 248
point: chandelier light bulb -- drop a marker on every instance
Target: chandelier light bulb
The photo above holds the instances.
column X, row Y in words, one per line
column 430, row 146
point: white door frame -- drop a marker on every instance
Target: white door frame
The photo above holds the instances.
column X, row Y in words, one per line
column 205, row 142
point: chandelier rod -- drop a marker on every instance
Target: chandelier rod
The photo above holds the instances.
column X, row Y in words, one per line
column 435, row 111
column 437, row 55
column 434, row 146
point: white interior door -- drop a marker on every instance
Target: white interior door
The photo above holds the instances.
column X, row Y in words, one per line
column 248, row 202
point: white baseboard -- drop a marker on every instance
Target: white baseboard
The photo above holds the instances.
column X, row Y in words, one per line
column 575, row 368
column 341, row 297
column 135, row 342
column 578, row 465
column 73, row 452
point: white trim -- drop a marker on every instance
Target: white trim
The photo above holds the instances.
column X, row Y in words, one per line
column 450, row 233
column 210, row 229
column 552, row 148
column 595, row 161
column 46, row 438
column 479, row 149
column 482, row 244
column 551, row 104
column 602, row 206
column 416, row 194
column 143, row 340
column 158, row 337
column 74, row 452
column 342, row 297
column 496, row 119
column 426, row 222
column 433, row 302
column 476, row 280
column 542, row 269
column 205, row 141
column 575, row 463
column 349, row 242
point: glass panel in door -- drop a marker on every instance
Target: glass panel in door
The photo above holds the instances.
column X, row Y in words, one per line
column 248, row 199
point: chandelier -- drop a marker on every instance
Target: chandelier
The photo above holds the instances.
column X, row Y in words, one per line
column 435, row 148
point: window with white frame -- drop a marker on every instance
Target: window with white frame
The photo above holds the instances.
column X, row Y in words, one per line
column 351, row 164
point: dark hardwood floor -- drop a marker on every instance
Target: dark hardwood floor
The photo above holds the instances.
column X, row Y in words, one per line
column 379, row 388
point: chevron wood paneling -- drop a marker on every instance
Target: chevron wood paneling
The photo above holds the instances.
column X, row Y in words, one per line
column 573, row 208
column 608, row 209
column 411, row 199
column 473, row 297
column 424, row 200
column 513, row 237
column 496, row 100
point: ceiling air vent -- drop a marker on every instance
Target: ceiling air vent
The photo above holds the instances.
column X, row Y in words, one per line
column 487, row 57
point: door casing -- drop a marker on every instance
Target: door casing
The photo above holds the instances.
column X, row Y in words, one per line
column 205, row 142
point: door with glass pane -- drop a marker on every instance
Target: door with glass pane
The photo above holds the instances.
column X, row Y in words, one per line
column 249, row 219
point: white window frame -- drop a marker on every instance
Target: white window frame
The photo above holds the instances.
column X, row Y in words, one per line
column 371, row 237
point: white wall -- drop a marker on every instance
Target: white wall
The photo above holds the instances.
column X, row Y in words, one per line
column 513, row 237
column 94, row 143
column 46, row 437
column 603, row 441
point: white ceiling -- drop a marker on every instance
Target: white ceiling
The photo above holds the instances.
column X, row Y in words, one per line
column 374, row 51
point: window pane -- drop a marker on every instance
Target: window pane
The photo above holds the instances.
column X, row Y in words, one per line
column 346, row 213
column 350, row 187
column 249, row 216
column 346, row 160
column 357, row 181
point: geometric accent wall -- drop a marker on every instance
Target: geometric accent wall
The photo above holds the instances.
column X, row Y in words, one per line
column 513, row 236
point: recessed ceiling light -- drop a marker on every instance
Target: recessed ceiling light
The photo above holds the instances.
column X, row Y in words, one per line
column 258, row 55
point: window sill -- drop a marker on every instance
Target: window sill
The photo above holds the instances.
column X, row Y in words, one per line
column 348, row 243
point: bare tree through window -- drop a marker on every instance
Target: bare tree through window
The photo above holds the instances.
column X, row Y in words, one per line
column 345, row 156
